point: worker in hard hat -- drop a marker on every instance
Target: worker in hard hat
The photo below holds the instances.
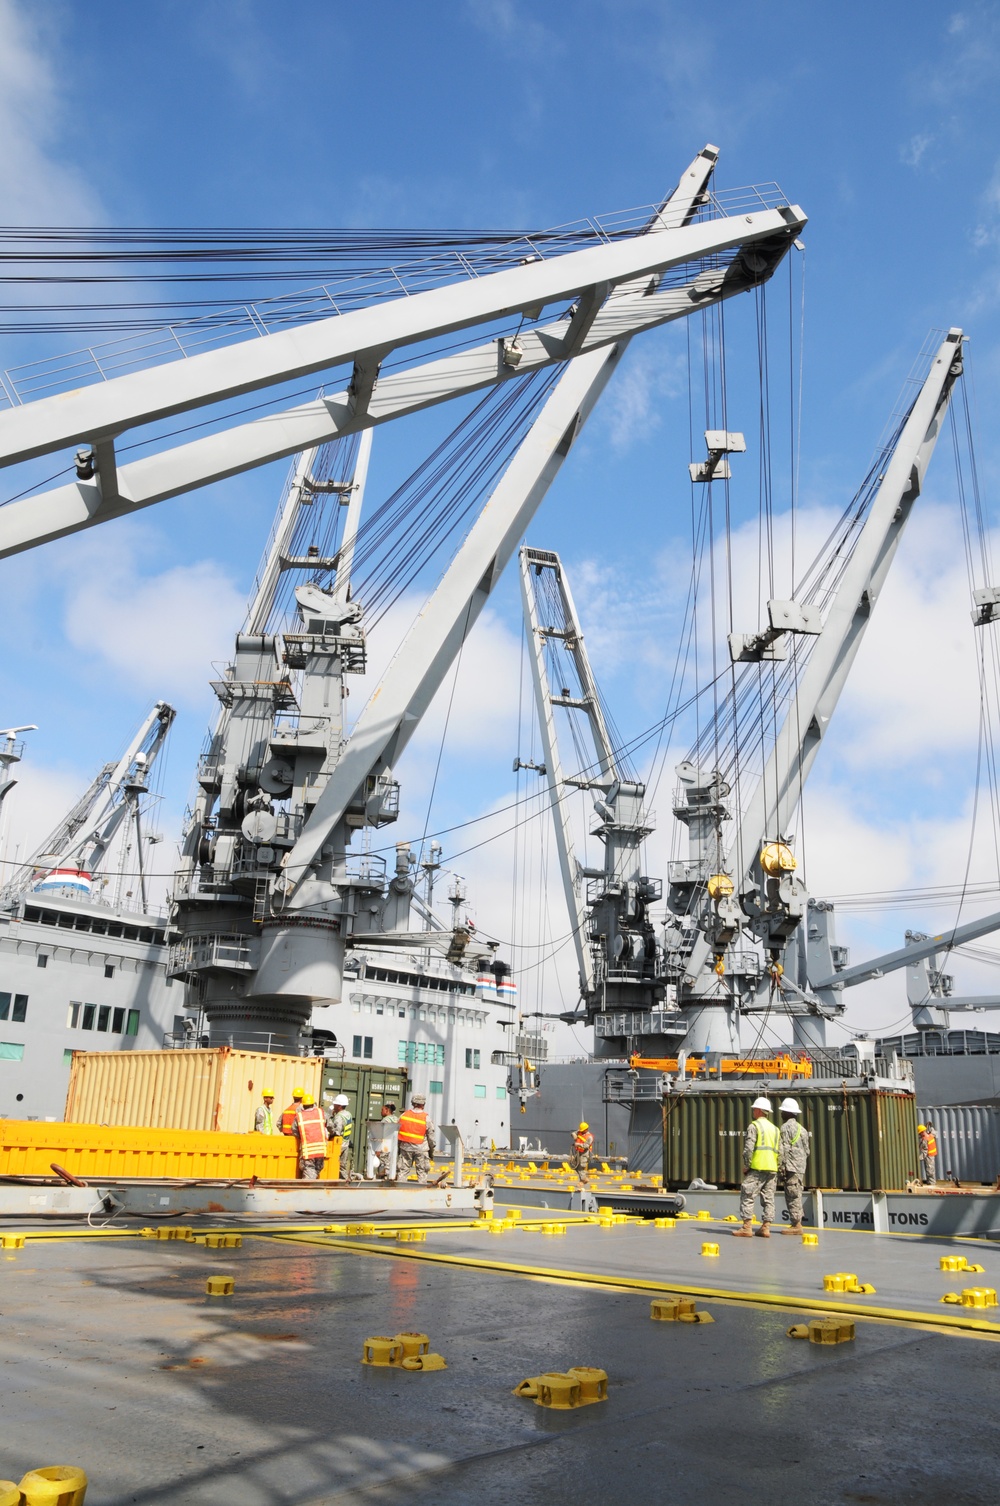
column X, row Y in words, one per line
column 340, row 1124
column 310, row 1131
column 583, row 1148
column 793, row 1153
column 760, row 1170
column 263, row 1120
column 927, row 1141
column 286, row 1124
column 417, row 1138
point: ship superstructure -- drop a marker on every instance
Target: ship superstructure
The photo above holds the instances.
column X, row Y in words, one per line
column 83, row 953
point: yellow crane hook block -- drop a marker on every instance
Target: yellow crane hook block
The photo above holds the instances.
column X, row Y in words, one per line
column 52, row 1485
column 669, row 1309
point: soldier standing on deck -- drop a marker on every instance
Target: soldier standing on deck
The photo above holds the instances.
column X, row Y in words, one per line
column 416, row 1141
column 793, row 1153
column 760, row 1170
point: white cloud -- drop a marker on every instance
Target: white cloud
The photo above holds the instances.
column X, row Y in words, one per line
column 36, row 185
column 912, row 153
column 159, row 630
column 630, row 413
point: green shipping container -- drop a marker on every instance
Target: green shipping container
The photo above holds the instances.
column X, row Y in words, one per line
column 862, row 1139
column 367, row 1088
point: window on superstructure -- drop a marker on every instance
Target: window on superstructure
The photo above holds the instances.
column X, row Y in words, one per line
column 501, row 1092
column 11, row 1051
column 4, row 1006
column 68, row 1057
column 468, row 1057
column 368, row 1047
column 109, row 971
column 437, row 1087
column 104, row 1017
column 132, row 1024
column 89, row 1011
column 118, row 1022
column 18, row 1008
column 380, row 1006
column 73, row 1019
column 42, row 960
column 479, row 1090
column 356, row 1047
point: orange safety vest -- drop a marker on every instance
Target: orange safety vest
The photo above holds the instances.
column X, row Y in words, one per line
column 583, row 1141
column 412, row 1127
column 311, row 1130
column 930, row 1142
column 286, row 1123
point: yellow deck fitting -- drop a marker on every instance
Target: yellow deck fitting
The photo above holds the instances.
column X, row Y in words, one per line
column 512, row 1215
column 220, row 1286
column 959, row 1263
column 553, row 1228
column 382, row 1351
column 558, row 1391
column 709, row 1249
column 695, row 1317
column 10, row 1495
column 593, row 1383
column 52, row 1485
column 972, row 1296
column 731, row 1218
column 222, row 1241
column 810, row 1240
column 413, row 1344
column 334, row 1228
column 664, row 1223
column 12, row 1241
column 361, row 1229
column 682, row 1214
column 669, row 1309
column 626, row 1187
column 828, row 1330
column 846, row 1281
column 499, row 1226
column 424, row 1362
column 411, row 1236
column 703, row 1213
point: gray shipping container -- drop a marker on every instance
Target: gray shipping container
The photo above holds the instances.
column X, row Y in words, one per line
column 968, row 1137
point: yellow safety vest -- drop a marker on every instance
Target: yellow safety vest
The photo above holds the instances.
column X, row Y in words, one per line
column 765, row 1154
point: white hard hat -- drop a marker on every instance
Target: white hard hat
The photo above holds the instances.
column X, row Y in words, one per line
column 789, row 1106
column 341, row 1101
column 762, row 1103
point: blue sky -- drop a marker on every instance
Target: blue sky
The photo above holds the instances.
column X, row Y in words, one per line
column 882, row 122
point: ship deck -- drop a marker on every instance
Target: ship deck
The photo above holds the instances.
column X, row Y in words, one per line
column 116, row 1360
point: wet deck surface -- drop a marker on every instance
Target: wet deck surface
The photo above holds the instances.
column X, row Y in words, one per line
column 113, row 1358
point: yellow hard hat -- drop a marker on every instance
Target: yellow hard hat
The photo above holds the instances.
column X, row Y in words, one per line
column 584, row 1124
column 921, row 1128
column 307, row 1100
column 267, row 1093
column 298, row 1092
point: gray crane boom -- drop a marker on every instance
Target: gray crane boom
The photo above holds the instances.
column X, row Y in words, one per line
column 618, row 292
column 771, row 807
column 875, row 967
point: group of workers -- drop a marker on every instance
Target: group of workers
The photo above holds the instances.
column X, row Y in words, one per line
column 305, row 1119
column 770, row 1152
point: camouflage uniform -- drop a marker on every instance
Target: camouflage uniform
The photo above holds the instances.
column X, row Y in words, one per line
column 342, row 1123
column 263, row 1121
column 793, row 1153
column 416, row 1157
column 756, row 1183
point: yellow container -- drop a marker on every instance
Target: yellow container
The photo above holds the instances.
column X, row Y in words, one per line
column 212, row 1089
column 28, row 1148
column 54, row 1485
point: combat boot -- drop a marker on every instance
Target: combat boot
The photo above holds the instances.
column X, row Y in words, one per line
column 793, row 1229
column 764, row 1232
column 746, row 1232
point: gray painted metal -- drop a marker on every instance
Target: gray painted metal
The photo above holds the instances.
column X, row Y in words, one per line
column 21, row 1199
column 968, row 1140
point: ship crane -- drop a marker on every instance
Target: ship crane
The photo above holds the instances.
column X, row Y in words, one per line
column 270, row 896
column 86, row 834
column 756, row 888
